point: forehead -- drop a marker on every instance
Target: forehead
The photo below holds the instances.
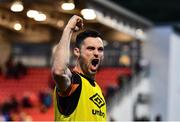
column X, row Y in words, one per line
column 93, row 41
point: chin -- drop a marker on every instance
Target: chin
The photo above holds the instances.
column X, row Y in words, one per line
column 92, row 72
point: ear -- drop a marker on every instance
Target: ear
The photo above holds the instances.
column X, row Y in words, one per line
column 76, row 51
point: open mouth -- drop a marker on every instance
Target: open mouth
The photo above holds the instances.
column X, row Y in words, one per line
column 95, row 62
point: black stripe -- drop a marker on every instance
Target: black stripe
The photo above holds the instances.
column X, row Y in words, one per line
column 67, row 105
column 91, row 81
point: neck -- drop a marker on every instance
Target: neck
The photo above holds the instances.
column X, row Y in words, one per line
column 78, row 69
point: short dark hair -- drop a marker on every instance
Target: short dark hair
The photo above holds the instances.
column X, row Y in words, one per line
column 83, row 35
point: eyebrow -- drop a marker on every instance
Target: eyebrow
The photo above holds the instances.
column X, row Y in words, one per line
column 90, row 47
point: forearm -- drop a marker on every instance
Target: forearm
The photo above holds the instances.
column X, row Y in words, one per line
column 62, row 53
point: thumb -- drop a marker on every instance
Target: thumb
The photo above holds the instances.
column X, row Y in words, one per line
column 76, row 28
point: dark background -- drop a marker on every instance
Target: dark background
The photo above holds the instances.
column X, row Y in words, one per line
column 158, row 11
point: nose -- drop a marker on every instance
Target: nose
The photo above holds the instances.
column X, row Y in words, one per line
column 96, row 53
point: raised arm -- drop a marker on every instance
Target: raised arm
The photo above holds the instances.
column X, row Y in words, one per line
column 61, row 56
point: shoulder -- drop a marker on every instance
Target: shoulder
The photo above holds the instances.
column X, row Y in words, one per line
column 75, row 83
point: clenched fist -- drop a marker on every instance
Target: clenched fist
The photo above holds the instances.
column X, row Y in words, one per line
column 75, row 23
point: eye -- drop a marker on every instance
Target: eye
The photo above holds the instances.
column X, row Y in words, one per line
column 101, row 49
column 91, row 48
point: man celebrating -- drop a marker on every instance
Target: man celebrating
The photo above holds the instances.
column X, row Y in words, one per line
column 77, row 96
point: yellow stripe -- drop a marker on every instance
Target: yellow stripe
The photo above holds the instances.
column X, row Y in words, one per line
column 91, row 105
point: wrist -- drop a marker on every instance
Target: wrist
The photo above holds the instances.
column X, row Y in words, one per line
column 68, row 29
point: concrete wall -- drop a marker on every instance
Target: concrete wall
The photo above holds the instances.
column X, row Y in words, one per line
column 161, row 51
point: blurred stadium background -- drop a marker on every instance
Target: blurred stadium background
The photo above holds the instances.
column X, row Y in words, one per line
column 140, row 75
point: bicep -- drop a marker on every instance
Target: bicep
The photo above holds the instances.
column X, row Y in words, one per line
column 63, row 81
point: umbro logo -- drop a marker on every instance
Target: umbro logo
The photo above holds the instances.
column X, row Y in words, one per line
column 97, row 100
